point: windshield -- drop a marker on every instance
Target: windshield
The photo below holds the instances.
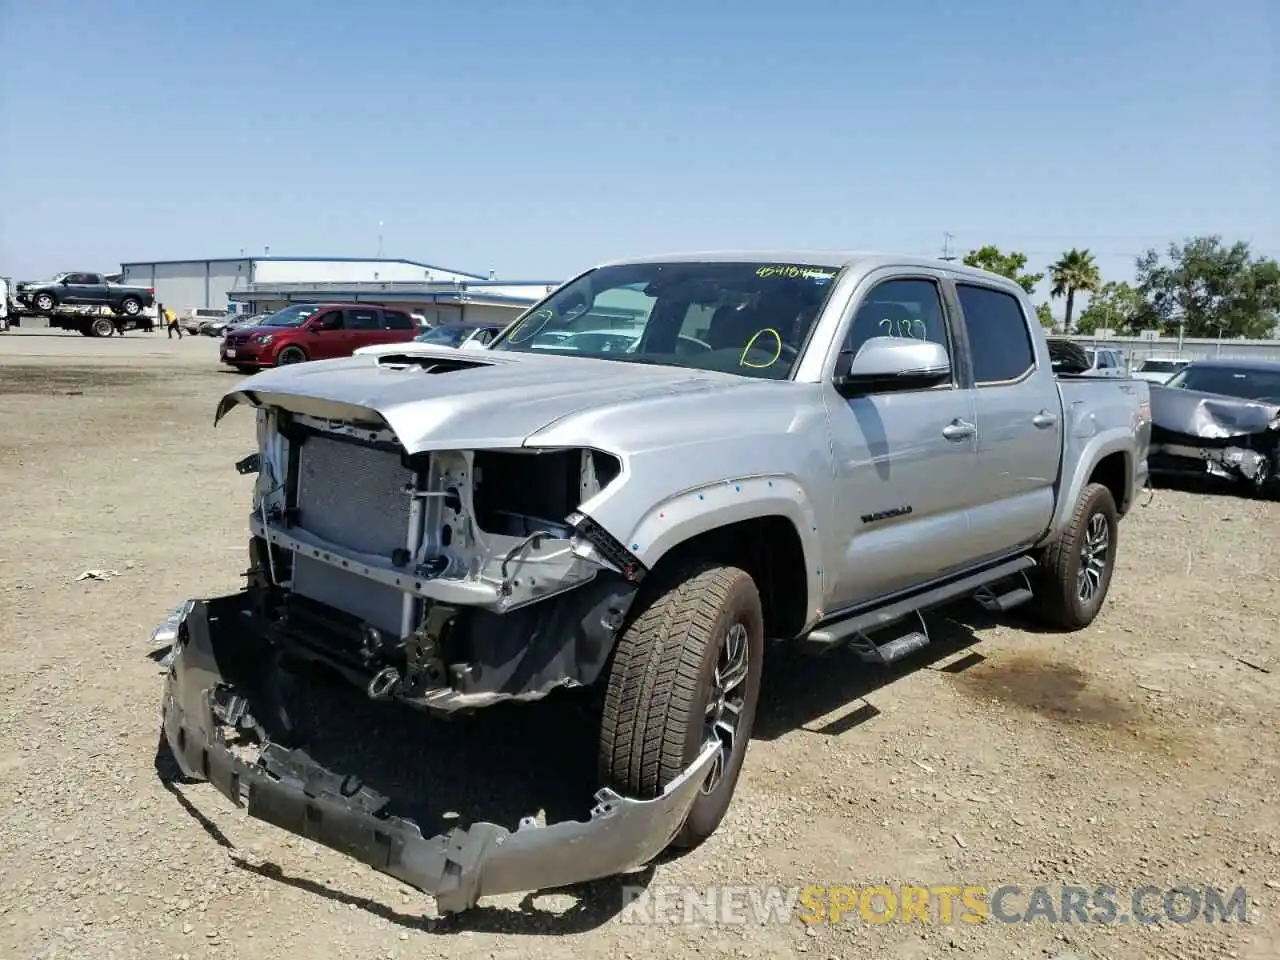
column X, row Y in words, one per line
column 1162, row 366
column 1238, row 382
column 290, row 316
column 748, row 318
column 447, row 336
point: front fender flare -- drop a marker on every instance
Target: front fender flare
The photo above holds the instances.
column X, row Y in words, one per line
column 704, row 508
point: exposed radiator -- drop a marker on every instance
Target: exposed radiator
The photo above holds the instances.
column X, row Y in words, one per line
column 353, row 496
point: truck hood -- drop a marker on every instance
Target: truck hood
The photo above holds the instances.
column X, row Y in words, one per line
column 447, row 399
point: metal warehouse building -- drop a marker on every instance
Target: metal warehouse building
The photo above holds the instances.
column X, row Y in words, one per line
column 260, row 284
column 206, row 284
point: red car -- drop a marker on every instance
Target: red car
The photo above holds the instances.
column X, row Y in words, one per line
column 315, row 331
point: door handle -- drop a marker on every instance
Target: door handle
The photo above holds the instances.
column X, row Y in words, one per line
column 958, row 430
column 1044, row 419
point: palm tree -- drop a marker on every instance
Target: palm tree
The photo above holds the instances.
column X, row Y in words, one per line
column 1076, row 272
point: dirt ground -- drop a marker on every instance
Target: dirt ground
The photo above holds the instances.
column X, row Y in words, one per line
column 1140, row 751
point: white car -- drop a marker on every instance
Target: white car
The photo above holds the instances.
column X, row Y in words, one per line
column 452, row 336
column 1107, row 362
column 1159, row 369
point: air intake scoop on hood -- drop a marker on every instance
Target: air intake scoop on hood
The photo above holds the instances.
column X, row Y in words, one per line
column 428, row 364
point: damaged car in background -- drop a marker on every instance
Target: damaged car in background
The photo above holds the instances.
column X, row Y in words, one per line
column 1219, row 418
column 794, row 448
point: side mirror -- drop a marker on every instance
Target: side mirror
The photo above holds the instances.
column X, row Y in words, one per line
column 892, row 363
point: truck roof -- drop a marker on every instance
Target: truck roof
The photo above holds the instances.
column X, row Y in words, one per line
column 835, row 259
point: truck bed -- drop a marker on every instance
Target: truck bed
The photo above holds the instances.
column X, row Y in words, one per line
column 1093, row 405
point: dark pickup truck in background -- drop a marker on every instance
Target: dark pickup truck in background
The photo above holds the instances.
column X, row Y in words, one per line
column 84, row 289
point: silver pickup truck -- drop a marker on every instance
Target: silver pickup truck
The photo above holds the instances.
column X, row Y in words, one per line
column 792, row 448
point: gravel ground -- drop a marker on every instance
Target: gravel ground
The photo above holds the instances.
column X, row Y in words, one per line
column 1140, row 751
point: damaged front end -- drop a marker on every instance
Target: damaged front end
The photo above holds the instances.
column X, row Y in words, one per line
column 1200, row 433
column 447, row 580
column 443, row 579
column 224, row 673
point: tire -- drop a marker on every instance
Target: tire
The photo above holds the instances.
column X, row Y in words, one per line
column 44, row 302
column 130, row 306
column 291, row 355
column 661, row 683
column 1068, row 597
column 101, row 327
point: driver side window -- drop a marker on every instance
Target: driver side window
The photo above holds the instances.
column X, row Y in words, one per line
column 899, row 308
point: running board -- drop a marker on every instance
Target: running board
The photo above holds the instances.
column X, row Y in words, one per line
column 1002, row 602
column 890, row 651
column 854, row 628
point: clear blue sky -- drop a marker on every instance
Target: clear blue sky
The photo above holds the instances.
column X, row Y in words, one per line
column 537, row 138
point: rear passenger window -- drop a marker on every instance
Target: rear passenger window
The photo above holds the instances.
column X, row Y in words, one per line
column 396, row 321
column 998, row 335
column 362, row 320
column 899, row 308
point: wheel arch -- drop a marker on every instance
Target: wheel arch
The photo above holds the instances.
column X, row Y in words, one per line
column 1107, row 459
column 773, row 538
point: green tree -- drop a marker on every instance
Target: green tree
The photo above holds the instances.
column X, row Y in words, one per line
column 1114, row 305
column 1045, row 315
column 1075, row 272
column 1009, row 265
column 1210, row 288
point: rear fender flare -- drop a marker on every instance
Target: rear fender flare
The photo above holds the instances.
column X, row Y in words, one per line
column 1094, row 450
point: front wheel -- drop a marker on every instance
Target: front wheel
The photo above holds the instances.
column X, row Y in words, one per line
column 686, row 670
column 291, row 355
column 1075, row 569
column 44, row 302
column 1262, row 485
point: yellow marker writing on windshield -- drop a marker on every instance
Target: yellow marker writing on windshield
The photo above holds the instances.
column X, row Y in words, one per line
column 777, row 338
column 531, row 325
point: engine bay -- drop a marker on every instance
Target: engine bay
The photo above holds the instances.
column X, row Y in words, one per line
column 432, row 577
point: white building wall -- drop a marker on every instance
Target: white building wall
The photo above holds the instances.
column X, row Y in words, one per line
column 339, row 271
column 526, row 291
column 474, row 313
column 225, row 276
column 190, row 284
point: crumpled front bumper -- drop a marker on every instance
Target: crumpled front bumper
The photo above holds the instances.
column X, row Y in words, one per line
column 219, row 671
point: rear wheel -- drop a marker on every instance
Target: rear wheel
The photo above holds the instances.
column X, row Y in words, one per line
column 130, row 307
column 102, row 327
column 291, row 355
column 1075, row 570
column 686, row 670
